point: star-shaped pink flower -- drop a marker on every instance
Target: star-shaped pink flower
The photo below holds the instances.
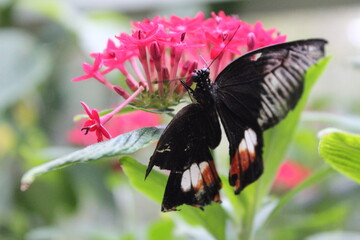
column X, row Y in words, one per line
column 95, row 123
column 92, row 71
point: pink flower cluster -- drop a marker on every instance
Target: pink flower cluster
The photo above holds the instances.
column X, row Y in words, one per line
column 290, row 175
column 160, row 51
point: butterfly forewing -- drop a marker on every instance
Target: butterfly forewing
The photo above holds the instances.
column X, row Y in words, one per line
column 256, row 91
column 245, row 143
column 267, row 83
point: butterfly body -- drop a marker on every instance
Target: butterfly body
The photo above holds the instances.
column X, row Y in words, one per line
column 252, row 94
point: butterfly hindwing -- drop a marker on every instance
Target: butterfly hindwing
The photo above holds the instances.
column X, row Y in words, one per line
column 183, row 149
column 198, row 186
column 245, row 143
column 255, row 92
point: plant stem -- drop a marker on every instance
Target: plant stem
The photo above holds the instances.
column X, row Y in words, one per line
column 248, row 231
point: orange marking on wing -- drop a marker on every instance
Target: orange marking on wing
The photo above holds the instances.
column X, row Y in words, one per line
column 235, row 170
column 207, row 174
column 199, row 186
column 245, row 161
column 252, row 156
column 217, row 198
column 215, row 174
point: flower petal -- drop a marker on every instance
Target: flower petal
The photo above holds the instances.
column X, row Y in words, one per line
column 105, row 132
column 98, row 62
column 88, row 68
column 99, row 135
column 88, row 123
column 87, row 109
column 96, row 116
column 81, row 78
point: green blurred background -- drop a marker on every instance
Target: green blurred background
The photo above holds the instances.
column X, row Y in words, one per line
column 42, row 46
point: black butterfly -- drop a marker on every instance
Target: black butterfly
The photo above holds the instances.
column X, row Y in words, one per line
column 252, row 94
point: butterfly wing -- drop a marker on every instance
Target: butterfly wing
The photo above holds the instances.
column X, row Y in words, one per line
column 183, row 149
column 255, row 92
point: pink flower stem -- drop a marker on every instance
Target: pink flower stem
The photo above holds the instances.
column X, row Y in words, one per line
column 130, row 81
column 144, row 62
column 108, row 116
column 107, row 84
column 147, row 73
column 137, row 71
column 160, row 79
column 175, row 58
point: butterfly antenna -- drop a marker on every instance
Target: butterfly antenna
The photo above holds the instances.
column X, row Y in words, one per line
column 167, row 80
column 206, row 64
column 188, row 89
column 230, row 39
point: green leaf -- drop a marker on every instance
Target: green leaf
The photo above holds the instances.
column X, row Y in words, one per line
column 238, row 204
column 343, row 121
column 316, row 177
column 335, row 235
column 154, row 185
column 162, row 229
column 213, row 218
column 277, row 141
column 342, row 151
column 124, row 144
column 158, row 111
column 27, row 64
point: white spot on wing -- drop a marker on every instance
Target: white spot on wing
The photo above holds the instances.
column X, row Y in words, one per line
column 249, row 143
column 255, row 57
column 203, row 166
column 186, row 181
column 166, row 149
column 252, row 135
column 195, row 175
column 242, row 146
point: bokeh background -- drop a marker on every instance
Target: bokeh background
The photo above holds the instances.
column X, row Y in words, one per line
column 43, row 44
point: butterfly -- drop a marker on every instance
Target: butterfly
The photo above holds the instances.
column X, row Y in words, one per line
column 250, row 95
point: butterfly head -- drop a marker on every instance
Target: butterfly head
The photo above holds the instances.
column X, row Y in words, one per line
column 201, row 76
column 203, row 89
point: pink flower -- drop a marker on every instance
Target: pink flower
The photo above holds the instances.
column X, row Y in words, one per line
column 164, row 47
column 95, row 123
column 118, row 125
column 290, row 175
column 92, row 71
column 186, row 24
column 160, row 51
